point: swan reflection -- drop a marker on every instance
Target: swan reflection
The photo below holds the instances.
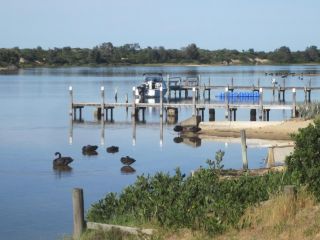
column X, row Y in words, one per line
column 127, row 170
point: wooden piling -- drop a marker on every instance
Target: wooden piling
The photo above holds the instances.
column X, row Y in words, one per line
column 226, row 100
column 290, row 191
column 294, row 110
column 78, row 213
column 102, row 101
column 244, row 149
column 71, row 100
column 212, row 114
column 261, row 102
column 253, row 115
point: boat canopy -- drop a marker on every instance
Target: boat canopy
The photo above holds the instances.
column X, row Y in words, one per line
column 154, row 77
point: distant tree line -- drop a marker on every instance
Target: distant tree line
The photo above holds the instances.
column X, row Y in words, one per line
column 108, row 54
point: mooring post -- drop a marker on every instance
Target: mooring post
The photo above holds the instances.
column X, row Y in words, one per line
column 194, row 101
column 253, row 115
column 290, row 191
column 294, row 103
column 161, row 101
column 244, row 149
column 102, row 101
column 133, row 110
column 71, row 100
column 226, row 100
column 78, row 213
column 309, row 95
column 261, row 102
column 305, row 95
column 212, row 114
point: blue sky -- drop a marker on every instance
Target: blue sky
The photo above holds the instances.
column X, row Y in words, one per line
column 211, row 24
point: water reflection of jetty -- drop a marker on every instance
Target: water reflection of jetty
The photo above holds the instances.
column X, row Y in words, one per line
column 102, row 124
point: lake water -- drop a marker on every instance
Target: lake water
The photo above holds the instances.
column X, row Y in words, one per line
column 35, row 200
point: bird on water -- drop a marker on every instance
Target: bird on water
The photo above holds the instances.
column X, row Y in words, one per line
column 89, row 148
column 61, row 161
column 112, row 149
column 127, row 160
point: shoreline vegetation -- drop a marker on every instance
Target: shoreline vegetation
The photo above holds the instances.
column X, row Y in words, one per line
column 106, row 54
column 208, row 205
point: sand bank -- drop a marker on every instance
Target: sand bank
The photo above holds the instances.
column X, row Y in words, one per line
column 277, row 130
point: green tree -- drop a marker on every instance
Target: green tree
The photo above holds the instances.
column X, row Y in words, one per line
column 282, row 55
column 304, row 162
column 191, row 52
column 312, row 54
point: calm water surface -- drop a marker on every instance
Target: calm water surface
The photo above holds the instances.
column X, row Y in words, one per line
column 35, row 200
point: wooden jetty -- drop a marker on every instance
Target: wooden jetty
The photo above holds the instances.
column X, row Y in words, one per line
column 103, row 108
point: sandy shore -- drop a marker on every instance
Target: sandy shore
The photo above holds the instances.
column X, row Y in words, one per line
column 280, row 130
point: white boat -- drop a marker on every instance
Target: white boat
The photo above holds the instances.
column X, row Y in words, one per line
column 151, row 86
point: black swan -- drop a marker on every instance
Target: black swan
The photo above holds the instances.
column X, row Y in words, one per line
column 89, row 148
column 193, row 129
column 112, row 149
column 178, row 128
column 61, row 161
column 127, row 160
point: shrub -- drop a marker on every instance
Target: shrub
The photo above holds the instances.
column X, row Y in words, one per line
column 304, row 162
column 203, row 202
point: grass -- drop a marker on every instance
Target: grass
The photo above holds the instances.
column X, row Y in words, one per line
column 281, row 217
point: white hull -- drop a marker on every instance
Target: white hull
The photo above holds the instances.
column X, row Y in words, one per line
column 152, row 93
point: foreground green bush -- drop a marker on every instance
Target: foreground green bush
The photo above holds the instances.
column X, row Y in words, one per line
column 203, row 202
column 304, row 162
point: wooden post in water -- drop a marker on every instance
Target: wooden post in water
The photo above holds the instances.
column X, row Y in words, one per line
column 294, row 103
column 193, row 101
column 226, row 100
column 161, row 101
column 71, row 101
column 244, row 149
column 78, row 213
column 212, row 114
column 102, row 101
column 261, row 102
